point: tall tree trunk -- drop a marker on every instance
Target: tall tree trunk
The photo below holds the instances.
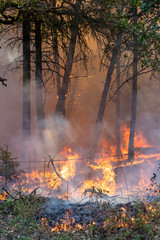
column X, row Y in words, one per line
column 56, row 54
column 134, row 96
column 118, row 171
column 108, row 81
column 64, row 87
column 26, row 79
column 105, row 94
column 118, row 135
column 60, row 107
column 39, row 81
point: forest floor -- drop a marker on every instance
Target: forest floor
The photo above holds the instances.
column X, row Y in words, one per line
column 22, row 219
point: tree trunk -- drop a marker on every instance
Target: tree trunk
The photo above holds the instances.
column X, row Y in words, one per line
column 64, row 87
column 72, row 97
column 118, row 135
column 118, row 171
column 105, row 94
column 26, row 79
column 134, row 97
column 60, row 107
column 108, row 81
column 39, row 81
column 56, row 54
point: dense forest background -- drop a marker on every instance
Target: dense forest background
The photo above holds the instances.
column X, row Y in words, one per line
column 77, row 71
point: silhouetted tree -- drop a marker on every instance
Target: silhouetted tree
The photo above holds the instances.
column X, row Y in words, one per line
column 26, row 76
column 117, row 129
column 60, row 107
column 103, row 101
column 38, row 79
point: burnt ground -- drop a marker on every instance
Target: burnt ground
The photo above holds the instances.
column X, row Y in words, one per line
column 34, row 217
column 55, row 210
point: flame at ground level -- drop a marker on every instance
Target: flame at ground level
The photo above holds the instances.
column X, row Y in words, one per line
column 71, row 177
column 126, row 217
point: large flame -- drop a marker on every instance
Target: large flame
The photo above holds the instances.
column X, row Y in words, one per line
column 103, row 168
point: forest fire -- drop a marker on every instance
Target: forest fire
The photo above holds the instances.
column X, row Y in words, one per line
column 62, row 176
column 80, row 113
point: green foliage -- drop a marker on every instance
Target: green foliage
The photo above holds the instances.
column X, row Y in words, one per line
column 8, row 165
column 25, row 207
column 25, row 211
column 65, row 238
column 22, row 213
column 138, row 237
column 128, row 233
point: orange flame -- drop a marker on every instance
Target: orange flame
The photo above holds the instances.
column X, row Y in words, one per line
column 3, row 196
column 103, row 169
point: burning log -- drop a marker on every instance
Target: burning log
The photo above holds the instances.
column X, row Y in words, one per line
column 54, row 168
column 5, row 190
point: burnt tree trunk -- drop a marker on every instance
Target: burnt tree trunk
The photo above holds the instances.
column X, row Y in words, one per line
column 105, row 94
column 26, row 79
column 134, row 96
column 60, row 107
column 38, row 79
column 118, row 135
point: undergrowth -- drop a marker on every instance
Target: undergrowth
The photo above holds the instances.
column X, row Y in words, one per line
column 20, row 218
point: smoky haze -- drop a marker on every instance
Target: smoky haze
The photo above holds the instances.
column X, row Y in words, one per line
column 78, row 128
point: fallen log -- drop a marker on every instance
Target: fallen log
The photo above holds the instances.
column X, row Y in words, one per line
column 5, row 190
